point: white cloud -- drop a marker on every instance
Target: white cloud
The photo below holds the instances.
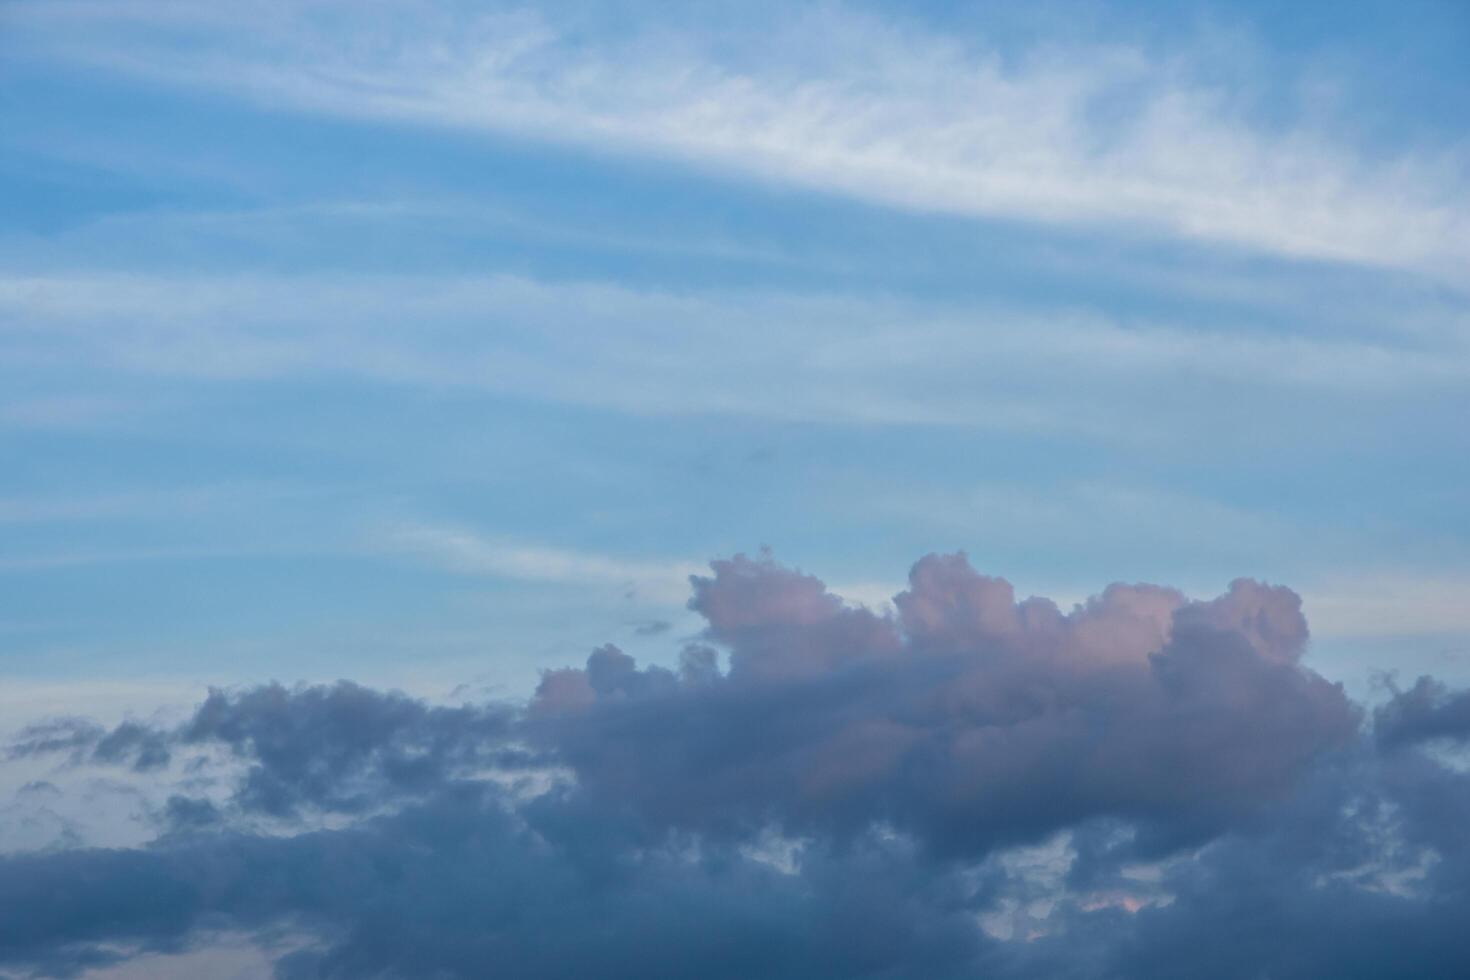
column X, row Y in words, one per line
column 24, row 700
column 1109, row 135
column 660, row 582
column 227, row 957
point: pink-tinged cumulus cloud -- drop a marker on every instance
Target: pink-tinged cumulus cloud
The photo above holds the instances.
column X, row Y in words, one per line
column 968, row 719
column 968, row 786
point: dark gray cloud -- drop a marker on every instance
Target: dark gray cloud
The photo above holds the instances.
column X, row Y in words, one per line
column 75, row 736
column 653, row 627
column 1425, row 712
column 337, row 748
column 345, row 748
column 813, row 790
column 462, row 886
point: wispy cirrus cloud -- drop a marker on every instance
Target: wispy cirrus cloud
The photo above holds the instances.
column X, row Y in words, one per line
column 660, row 582
column 465, row 551
column 836, row 358
column 1112, row 135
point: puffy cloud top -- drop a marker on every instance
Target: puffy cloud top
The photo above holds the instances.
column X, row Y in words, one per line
column 968, row 719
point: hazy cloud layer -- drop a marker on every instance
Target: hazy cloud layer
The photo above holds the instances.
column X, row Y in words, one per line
column 603, row 345
column 966, row 786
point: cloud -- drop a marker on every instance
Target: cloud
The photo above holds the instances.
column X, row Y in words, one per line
column 459, row 887
column 1425, row 712
column 964, row 784
column 465, row 551
column 970, row 721
column 1392, row 601
column 837, row 359
column 1171, row 141
column 341, row 748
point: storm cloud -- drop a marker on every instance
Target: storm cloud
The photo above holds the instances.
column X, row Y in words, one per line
column 966, row 785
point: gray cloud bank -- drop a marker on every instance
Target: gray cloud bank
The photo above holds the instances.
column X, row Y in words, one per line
column 968, row 786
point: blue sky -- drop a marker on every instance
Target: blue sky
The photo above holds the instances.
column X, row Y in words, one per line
column 425, row 343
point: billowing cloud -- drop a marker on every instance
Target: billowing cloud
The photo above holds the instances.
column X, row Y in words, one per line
column 968, row 785
column 969, row 720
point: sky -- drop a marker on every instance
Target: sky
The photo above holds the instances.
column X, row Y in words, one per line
column 608, row 448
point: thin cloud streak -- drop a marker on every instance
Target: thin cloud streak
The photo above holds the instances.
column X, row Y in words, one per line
column 1390, row 602
column 663, row 582
column 463, row 551
column 836, row 359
